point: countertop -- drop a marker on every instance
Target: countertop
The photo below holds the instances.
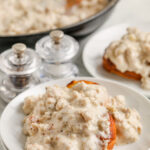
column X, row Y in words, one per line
column 135, row 12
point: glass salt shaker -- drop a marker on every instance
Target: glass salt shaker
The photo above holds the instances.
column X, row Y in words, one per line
column 19, row 65
column 57, row 52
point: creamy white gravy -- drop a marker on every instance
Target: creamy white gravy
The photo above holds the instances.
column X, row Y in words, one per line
column 30, row 16
column 76, row 118
column 132, row 53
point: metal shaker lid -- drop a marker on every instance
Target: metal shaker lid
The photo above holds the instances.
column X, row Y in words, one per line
column 19, row 60
column 57, row 47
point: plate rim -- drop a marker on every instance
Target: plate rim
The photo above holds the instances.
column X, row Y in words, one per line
column 16, row 99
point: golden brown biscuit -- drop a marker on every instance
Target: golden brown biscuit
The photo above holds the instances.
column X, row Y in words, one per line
column 110, row 67
column 73, row 83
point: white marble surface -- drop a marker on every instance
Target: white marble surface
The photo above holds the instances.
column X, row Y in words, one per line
column 136, row 12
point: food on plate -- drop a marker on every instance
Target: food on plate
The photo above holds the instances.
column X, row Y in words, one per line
column 32, row 16
column 74, row 82
column 81, row 116
column 129, row 57
column 109, row 66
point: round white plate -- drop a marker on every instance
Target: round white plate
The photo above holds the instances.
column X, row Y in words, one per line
column 12, row 117
column 94, row 51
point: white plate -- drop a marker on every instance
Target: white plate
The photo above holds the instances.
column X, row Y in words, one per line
column 12, row 117
column 94, row 51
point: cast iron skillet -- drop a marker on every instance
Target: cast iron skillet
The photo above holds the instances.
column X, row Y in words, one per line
column 77, row 30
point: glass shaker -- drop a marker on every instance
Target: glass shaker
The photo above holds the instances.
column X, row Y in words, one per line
column 19, row 65
column 57, row 51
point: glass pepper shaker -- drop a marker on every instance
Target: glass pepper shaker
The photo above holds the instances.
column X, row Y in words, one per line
column 19, row 65
column 57, row 52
